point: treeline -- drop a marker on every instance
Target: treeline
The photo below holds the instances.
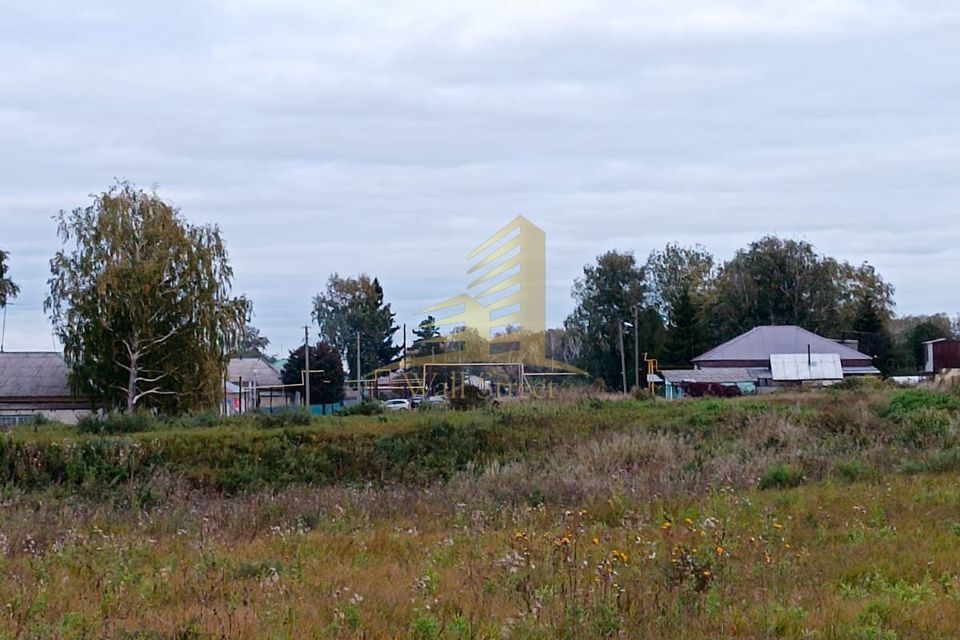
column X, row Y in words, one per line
column 682, row 301
column 142, row 302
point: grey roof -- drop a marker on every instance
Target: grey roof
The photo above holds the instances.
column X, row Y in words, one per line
column 861, row 371
column 760, row 343
column 719, row 375
column 33, row 375
column 253, row 370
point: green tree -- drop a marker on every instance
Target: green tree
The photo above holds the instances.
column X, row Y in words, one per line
column 427, row 340
column 677, row 272
column 776, row 282
column 326, row 386
column 141, row 301
column 355, row 305
column 8, row 288
column 560, row 346
column 870, row 322
column 608, row 295
column 251, row 344
column 679, row 280
column 686, row 329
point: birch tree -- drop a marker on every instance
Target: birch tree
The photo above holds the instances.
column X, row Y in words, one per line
column 8, row 288
column 141, row 301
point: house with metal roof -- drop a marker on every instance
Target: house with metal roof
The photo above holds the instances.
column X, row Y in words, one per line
column 754, row 348
column 34, row 383
column 769, row 357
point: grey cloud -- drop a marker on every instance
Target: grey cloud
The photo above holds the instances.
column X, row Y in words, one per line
column 391, row 138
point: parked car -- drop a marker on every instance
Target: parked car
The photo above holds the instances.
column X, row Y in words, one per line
column 437, row 401
column 397, row 404
column 415, row 401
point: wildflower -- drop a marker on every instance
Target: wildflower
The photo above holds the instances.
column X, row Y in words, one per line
column 688, row 521
column 777, row 526
column 720, row 550
column 666, row 525
column 596, row 540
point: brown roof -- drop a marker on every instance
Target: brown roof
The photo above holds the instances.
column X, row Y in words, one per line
column 33, row 375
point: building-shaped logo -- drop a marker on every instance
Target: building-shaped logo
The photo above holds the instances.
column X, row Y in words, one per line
column 506, row 297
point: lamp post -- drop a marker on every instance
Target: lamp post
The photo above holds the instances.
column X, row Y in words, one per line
column 636, row 346
column 306, row 367
column 359, row 376
column 623, row 360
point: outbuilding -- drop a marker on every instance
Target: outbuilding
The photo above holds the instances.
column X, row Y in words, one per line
column 37, row 383
column 940, row 355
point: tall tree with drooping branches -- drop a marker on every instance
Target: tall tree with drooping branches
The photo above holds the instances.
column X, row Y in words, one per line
column 141, row 300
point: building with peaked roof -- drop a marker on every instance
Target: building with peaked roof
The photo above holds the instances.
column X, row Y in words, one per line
column 770, row 357
column 259, row 384
column 37, row 383
column 256, row 371
column 755, row 347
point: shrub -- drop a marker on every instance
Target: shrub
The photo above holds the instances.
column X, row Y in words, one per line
column 289, row 417
column 924, row 427
column 853, row 470
column 943, row 461
column 365, row 408
column 116, row 423
column 904, row 402
column 40, row 420
column 424, row 628
column 204, row 419
column 781, row 477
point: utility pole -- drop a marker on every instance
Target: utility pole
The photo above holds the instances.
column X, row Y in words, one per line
column 636, row 347
column 306, row 366
column 623, row 362
column 359, row 375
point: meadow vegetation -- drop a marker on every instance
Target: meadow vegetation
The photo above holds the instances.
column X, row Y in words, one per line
column 832, row 514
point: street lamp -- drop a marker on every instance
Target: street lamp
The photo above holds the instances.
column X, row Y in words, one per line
column 623, row 359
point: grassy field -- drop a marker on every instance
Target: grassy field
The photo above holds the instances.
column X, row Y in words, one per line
column 816, row 515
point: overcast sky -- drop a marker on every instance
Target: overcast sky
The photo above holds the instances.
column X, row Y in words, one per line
column 392, row 137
